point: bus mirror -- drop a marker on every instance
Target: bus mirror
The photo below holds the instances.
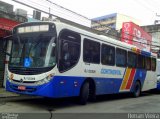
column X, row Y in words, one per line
column 53, row 45
column 5, row 44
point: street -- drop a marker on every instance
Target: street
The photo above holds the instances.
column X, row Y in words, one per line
column 149, row 102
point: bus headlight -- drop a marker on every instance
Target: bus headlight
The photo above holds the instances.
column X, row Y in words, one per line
column 9, row 77
column 45, row 80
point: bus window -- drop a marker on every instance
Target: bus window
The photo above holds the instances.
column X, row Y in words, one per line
column 132, row 60
column 91, row 51
column 153, row 64
column 141, row 62
column 69, row 50
column 121, row 57
column 147, row 63
column 108, row 55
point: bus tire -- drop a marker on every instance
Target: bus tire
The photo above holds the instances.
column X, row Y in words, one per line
column 84, row 94
column 137, row 89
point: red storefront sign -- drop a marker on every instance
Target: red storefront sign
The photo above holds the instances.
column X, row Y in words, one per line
column 6, row 25
column 135, row 35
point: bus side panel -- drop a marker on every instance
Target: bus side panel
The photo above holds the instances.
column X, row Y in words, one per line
column 107, row 85
column 68, row 86
column 131, row 75
column 150, row 82
column 139, row 75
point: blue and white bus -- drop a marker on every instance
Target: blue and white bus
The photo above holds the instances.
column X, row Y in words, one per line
column 55, row 59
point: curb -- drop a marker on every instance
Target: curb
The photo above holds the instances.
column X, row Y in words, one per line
column 4, row 93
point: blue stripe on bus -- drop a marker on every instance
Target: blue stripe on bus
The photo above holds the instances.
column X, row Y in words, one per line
column 67, row 86
column 158, row 86
column 145, row 53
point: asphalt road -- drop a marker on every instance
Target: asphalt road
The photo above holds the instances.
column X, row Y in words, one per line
column 112, row 106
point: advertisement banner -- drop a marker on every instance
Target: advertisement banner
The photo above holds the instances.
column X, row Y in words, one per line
column 135, row 35
column 7, row 24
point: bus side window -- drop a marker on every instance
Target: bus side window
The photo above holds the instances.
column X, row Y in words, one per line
column 153, row 64
column 91, row 51
column 147, row 63
column 132, row 60
column 108, row 55
column 65, row 51
column 141, row 62
column 121, row 57
column 69, row 49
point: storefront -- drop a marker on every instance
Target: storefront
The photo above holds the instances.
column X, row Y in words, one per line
column 6, row 26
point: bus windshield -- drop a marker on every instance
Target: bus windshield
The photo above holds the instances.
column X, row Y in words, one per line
column 33, row 51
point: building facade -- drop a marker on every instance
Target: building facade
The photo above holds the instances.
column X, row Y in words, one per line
column 111, row 21
column 154, row 30
column 8, row 19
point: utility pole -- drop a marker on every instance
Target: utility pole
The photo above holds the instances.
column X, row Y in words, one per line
column 156, row 21
column 50, row 16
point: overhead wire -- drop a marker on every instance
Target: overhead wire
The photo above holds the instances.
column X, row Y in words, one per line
column 56, row 11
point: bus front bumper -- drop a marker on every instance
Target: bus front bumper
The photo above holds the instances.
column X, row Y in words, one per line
column 45, row 90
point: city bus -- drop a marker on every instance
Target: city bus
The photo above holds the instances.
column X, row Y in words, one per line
column 57, row 60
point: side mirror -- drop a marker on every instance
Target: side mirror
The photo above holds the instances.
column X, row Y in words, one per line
column 5, row 44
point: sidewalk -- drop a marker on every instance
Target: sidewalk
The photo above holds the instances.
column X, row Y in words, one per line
column 4, row 93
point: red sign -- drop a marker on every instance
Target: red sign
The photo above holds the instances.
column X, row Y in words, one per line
column 7, row 24
column 135, row 35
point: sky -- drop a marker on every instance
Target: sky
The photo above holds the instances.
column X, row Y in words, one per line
column 143, row 10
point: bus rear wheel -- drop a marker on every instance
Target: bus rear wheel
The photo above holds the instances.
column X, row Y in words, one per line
column 137, row 89
column 84, row 94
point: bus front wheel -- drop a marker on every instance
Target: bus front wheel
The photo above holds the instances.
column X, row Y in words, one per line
column 137, row 89
column 84, row 94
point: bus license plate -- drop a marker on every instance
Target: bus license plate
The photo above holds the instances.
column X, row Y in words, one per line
column 21, row 87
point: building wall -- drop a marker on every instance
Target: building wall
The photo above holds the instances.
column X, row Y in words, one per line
column 104, row 23
column 114, row 21
column 154, row 30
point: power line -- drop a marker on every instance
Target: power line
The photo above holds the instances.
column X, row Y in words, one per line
column 66, row 9
column 46, row 11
